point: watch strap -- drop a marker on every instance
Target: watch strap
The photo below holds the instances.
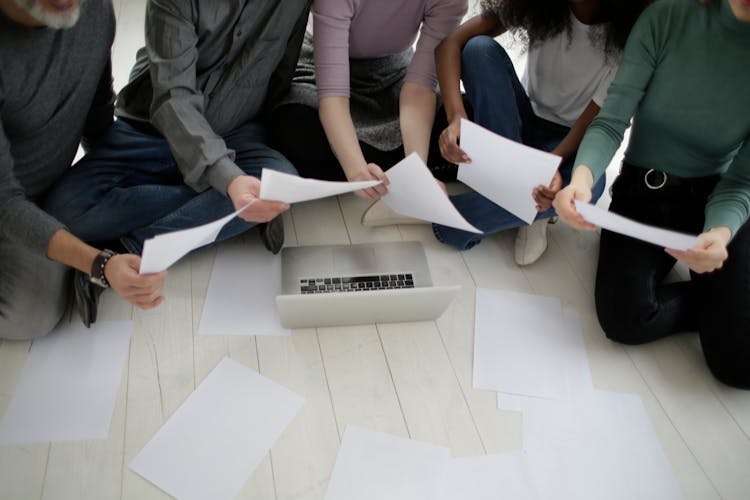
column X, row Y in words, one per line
column 97, row 276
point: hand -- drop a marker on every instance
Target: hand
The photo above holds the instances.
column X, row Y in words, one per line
column 710, row 252
column 372, row 172
column 578, row 189
column 448, row 143
column 143, row 291
column 245, row 189
column 544, row 195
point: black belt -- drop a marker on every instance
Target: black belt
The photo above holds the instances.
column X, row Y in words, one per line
column 656, row 179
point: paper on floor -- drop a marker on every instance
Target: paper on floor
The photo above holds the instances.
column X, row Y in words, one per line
column 599, row 447
column 487, row 477
column 69, row 384
column 241, row 296
column 619, row 224
column 575, row 369
column 376, row 466
column 210, row 446
column 414, row 192
column 504, row 171
column 520, row 344
column 278, row 186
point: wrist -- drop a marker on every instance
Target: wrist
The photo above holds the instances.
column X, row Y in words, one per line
column 723, row 233
column 97, row 275
column 582, row 177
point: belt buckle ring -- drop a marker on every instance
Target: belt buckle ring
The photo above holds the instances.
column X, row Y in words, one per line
column 653, row 186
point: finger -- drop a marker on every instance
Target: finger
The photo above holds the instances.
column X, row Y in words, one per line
column 365, row 194
column 149, row 305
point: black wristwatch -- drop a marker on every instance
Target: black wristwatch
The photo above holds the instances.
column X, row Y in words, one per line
column 97, row 268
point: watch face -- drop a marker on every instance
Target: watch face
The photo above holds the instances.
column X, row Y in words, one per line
column 98, row 282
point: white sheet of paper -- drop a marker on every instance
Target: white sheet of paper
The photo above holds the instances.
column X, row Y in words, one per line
column 376, row 466
column 619, row 224
column 241, row 297
column 504, row 171
column 520, row 345
column 594, row 448
column 487, row 477
column 575, row 367
column 210, row 446
column 68, row 386
column 278, row 186
column 163, row 250
column 413, row 192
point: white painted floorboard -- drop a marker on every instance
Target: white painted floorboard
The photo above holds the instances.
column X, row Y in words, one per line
column 410, row 380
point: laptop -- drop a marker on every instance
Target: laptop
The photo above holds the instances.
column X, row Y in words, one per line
column 336, row 285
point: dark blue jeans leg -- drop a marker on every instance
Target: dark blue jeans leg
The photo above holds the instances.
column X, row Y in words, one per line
column 492, row 87
column 129, row 180
column 251, row 155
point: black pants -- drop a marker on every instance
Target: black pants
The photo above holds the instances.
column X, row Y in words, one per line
column 295, row 131
column 634, row 305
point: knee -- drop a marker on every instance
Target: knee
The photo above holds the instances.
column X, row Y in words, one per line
column 281, row 164
column 620, row 320
column 15, row 325
column 726, row 348
column 479, row 49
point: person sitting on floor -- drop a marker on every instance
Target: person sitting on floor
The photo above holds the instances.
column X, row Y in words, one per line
column 685, row 82
column 362, row 95
column 574, row 48
column 55, row 90
column 190, row 140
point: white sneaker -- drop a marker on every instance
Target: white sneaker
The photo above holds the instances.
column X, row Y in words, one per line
column 531, row 242
column 380, row 214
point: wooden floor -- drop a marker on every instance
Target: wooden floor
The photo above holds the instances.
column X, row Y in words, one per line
column 407, row 379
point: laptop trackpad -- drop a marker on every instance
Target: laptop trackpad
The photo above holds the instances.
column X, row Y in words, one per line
column 352, row 259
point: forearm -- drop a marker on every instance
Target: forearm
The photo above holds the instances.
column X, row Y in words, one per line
column 342, row 136
column 572, row 141
column 65, row 248
column 448, row 60
column 582, row 177
column 448, row 63
column 417, row 106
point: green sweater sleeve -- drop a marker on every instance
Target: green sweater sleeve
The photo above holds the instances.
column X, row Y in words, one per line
column 639, row 60
column 729, row 204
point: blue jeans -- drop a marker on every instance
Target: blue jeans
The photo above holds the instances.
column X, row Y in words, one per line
column 130, row 189
column 500, row 104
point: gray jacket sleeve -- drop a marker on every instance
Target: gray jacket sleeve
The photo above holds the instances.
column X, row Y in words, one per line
column 21, row 220
column 177, row 109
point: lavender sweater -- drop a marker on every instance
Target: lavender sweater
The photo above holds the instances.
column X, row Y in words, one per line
column 362, row 29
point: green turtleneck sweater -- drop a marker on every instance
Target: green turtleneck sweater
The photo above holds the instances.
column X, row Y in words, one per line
column 685, row 80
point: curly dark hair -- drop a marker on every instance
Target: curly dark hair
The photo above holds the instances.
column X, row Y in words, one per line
column 534, row 21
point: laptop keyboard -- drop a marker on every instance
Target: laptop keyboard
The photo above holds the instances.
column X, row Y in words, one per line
column 356, row 283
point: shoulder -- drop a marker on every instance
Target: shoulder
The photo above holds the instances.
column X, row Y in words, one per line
column 666, row 10
column 450, row 7
column 336, row 8
column 99, row 14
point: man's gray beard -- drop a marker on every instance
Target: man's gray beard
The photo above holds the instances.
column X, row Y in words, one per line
column 54, row 20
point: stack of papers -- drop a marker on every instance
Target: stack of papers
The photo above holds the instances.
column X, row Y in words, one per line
column 578, row 442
